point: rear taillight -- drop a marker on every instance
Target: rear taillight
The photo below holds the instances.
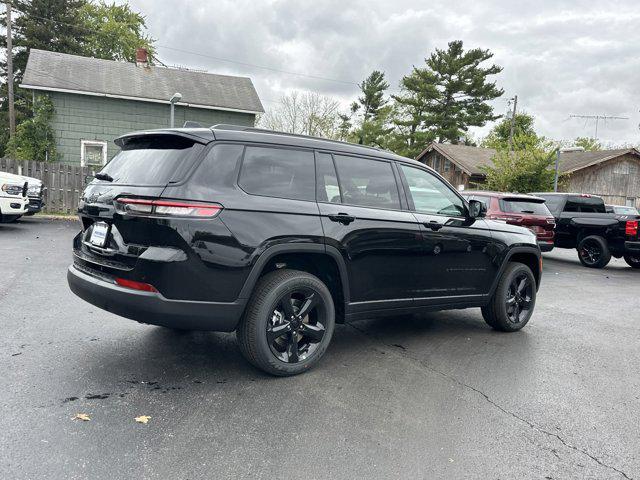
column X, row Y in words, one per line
column 143, row 287
column 166, row 208
column 631, row 228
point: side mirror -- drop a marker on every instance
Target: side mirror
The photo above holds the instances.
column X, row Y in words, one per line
column 477, row 209
column 88, row 178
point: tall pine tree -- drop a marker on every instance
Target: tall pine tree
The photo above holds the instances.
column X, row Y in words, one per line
column 463, row 90
column 443, row 99
column 372, row 126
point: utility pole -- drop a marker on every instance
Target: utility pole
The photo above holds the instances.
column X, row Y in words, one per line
column 12, row 113
column 597, row 118
column 513, row 122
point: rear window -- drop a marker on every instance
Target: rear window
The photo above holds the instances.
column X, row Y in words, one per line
column 585, row 205
column 278, row 172
column 152, row 160
column 519, row 206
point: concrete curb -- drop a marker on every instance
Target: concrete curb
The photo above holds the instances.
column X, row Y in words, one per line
column 56, row 217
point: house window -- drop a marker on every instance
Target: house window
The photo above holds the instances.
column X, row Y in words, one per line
column 93, row 153
column 447, row 165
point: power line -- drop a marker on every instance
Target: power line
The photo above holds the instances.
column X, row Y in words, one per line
column 220, row 59
column 247, row 64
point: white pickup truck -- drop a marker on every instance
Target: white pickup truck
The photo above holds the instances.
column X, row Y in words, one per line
column 14, row 201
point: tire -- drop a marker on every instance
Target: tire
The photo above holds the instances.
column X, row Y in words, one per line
column 511, row 294
column 633, row 260
column 593, row 252
column 279, row 339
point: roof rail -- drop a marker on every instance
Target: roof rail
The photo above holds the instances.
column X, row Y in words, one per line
column 241, row 128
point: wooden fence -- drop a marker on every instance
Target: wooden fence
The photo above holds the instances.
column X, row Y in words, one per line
column 64, row 183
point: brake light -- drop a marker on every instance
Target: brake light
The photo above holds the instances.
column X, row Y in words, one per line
column 631, row 228
column 140, row 206
column 144, row 287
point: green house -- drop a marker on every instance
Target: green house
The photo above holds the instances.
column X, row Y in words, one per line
column 95, row 100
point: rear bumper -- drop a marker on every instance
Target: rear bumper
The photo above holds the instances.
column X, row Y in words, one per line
column 153, row 308
column 632, row 247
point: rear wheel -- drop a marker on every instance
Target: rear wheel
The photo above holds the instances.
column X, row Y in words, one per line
column 288, row 323
column 633, row 260
column 593, row 252
column 513, row 302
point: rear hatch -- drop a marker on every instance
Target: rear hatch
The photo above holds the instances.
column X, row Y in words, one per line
column 146, row 164
column 528, row 212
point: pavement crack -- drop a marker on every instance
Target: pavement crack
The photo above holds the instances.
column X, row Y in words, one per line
column 404, row 353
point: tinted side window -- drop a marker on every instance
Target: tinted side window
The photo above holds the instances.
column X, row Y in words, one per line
column 369, row 183
column 430, row 194
column 278, row 172
column 328, row 189
column 553, row 202
column 584, row 205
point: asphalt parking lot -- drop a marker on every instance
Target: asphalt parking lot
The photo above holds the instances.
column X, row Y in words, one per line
column 435, row 396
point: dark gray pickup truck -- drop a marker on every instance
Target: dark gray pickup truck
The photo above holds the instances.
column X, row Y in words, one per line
column 583, row 223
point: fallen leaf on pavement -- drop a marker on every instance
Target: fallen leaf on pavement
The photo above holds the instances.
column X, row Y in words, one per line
column 142, row 419
column 82, row 416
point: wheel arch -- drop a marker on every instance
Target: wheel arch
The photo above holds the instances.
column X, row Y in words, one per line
column 529, row 256
column 320, row 260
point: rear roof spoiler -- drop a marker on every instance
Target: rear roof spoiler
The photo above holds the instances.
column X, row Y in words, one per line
column 199, row 135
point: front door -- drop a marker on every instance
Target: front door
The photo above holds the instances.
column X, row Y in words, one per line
column 457, row 251
column 362, row 217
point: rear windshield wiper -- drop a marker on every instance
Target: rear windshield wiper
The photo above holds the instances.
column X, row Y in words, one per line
column 104, row 176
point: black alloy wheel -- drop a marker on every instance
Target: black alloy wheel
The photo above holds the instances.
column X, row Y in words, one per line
column 296, row 326
column 514, row 299
column 593, row 252
column 288, row 323
column 519, row 295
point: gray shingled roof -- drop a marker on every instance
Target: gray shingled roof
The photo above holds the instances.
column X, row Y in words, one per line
column 59, row 71
column 470, row 159
column 572, row 161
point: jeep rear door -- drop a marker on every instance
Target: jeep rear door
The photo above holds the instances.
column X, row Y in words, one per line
column 362, row 216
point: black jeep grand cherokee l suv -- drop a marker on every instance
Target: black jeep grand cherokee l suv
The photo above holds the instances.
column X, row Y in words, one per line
column 279, row 236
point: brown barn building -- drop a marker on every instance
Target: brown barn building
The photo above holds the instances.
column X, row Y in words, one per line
column 612, row 174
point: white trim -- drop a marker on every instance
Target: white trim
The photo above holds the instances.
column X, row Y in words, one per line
column 138, row 99
column 94, row 143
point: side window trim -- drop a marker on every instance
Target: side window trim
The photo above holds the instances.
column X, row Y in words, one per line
column 402, row 191
column 335, row 169
column 438, row 177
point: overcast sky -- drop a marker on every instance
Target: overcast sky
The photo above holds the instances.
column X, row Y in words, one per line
column 559, row 57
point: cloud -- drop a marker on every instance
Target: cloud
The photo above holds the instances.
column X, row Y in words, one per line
column 559, row 57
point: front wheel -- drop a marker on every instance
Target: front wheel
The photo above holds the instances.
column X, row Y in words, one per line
column 288, row 323
column 593, row 252
column 633, row 260
column 513, row 302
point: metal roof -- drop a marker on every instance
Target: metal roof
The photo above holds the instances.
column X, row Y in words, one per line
column 107, row 78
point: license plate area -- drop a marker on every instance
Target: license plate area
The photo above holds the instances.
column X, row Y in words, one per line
column 99, row 234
